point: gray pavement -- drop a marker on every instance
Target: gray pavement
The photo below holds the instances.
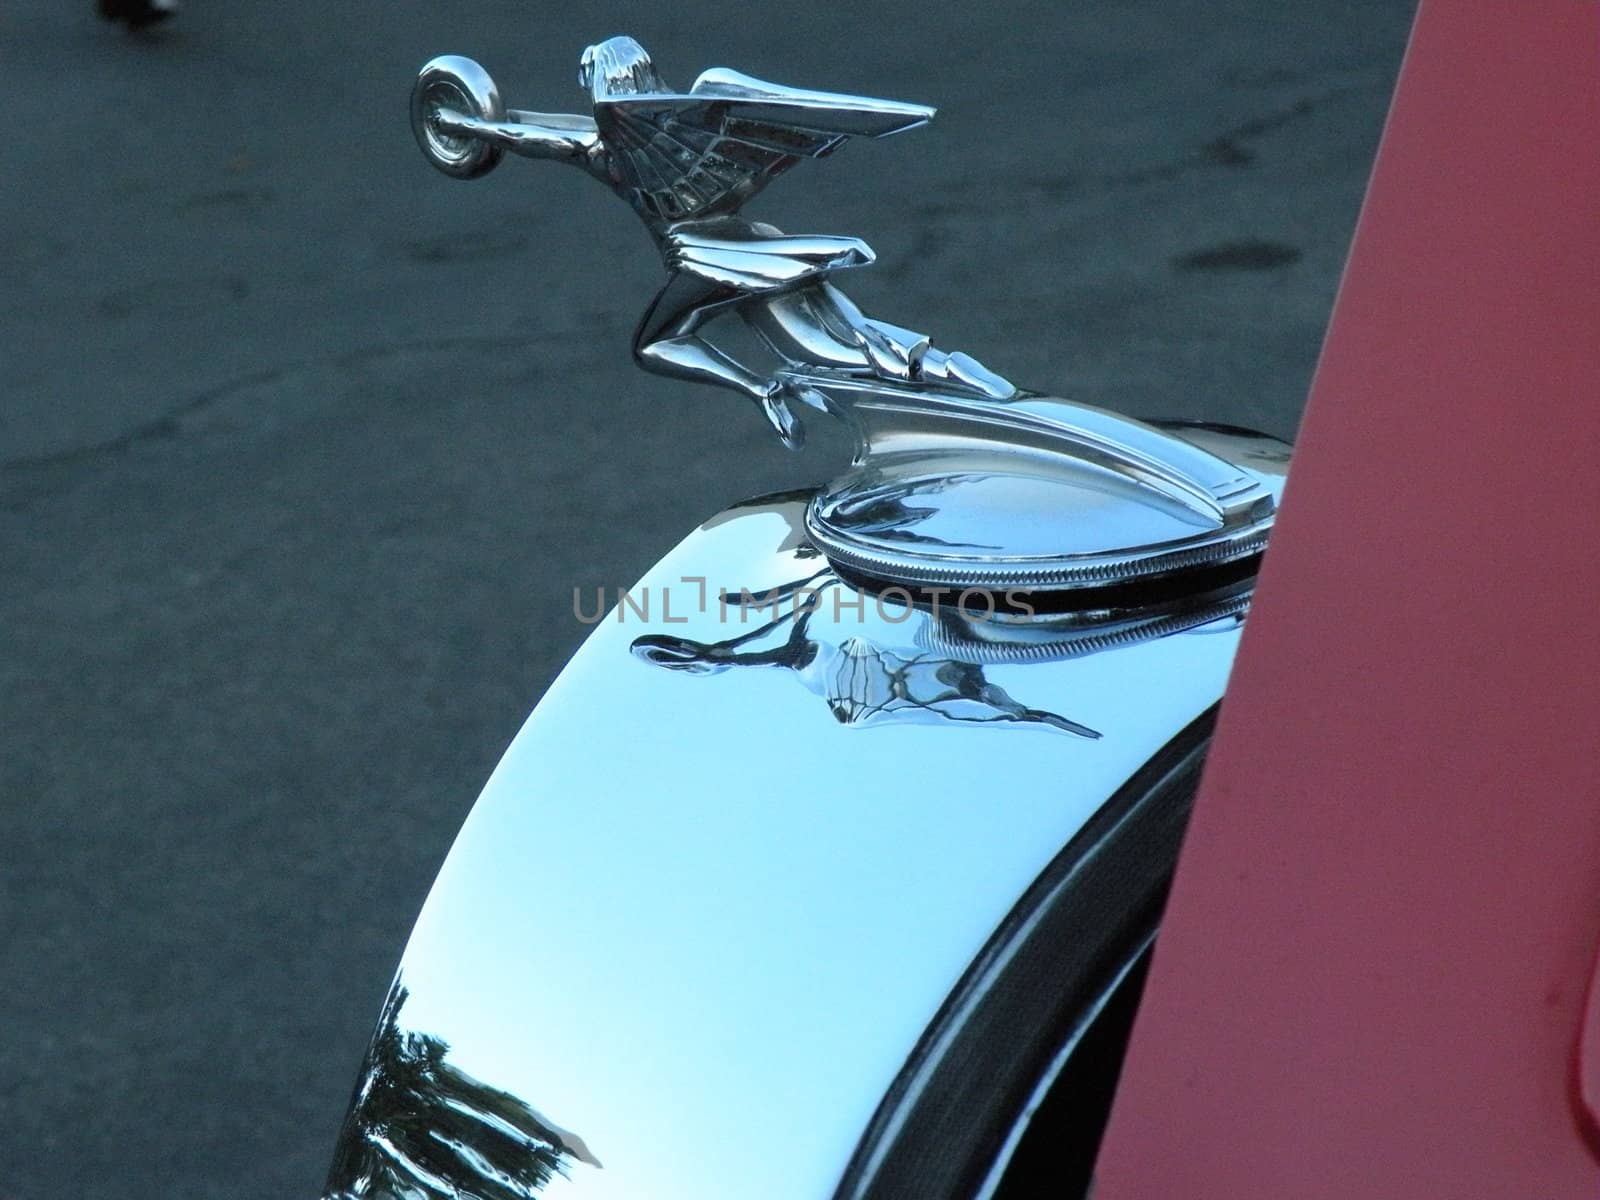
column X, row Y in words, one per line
column 303, row 448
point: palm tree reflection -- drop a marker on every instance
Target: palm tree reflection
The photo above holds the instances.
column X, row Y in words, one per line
column 419, row 1128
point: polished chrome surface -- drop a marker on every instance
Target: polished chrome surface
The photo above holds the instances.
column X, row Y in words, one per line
column 960, row 478
column 451, row 83
column 687, row 162
column 733, row 865
column 1063, row 497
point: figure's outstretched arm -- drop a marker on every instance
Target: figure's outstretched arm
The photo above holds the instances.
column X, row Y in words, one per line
column 560, row 136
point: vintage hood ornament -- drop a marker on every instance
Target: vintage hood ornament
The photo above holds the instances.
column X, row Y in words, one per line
column 961, row 479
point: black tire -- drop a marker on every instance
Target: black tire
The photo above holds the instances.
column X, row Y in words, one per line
column 1037, row 1025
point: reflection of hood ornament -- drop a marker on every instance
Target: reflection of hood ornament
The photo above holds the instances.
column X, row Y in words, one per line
column 941, row 677
column 862, row 682
column 960, row 478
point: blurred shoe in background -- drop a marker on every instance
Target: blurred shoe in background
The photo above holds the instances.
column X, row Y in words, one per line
column 137, row 14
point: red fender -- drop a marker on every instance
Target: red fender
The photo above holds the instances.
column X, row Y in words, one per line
column 1373, row 973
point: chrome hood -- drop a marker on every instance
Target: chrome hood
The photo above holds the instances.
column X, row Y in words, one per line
column 731, row 867
column 719, row 920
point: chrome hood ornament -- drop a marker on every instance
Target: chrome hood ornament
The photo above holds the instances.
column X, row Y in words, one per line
column 961, row 480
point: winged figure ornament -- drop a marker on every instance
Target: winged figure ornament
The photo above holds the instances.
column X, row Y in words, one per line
column 687, row 162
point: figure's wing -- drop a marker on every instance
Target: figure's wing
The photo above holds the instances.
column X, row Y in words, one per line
column 824, row 112
column 705, row 152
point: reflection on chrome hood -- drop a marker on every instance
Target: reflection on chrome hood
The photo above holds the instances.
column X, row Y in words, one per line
column 862, row 682
column 703, row 915
column 941, row 677
column 422, row 1129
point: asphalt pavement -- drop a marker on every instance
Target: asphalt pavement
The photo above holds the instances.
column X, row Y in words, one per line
column 304, row 448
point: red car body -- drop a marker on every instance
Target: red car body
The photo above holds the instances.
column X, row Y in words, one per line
column 1373, row 973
